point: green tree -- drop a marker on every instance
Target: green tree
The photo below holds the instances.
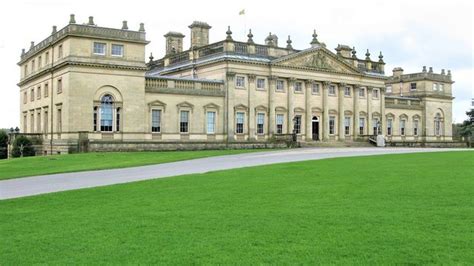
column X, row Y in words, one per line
column 467, row 128
column 3, row 144
column 22, row 146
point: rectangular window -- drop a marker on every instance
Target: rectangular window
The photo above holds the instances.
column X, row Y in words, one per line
column 415, row 128
column 59, row 121
column 45, row 127
column 279, row 123
column 315, row 88
column 261, row 84
column 437, row 127
column 46, row 58
column 184, row 122
column 32, row 96
column 347, row 126
column 413, row 86
column 298, row 86
column 402, row 127
column 240, row 82
column 361, row 92
column 95, row 117
column 32, row 123
column 32, row 66
column 25, row 124
column 435, row 86
column 260, row 123
column 38, row 122
column 117, row 50
column 25, row 97
column 280, row 85
column 46, row 90
column 40, row 61
column 156, row 121
column 375, row 121
column 239, row 127
column 441, row 87
column 375, row 94
column 211, row 122
column 60, row 86
column 389, row 127
column 38, row 92
column 26, row 70
column 99, row 48
column 297, row 125
column 389, row 89
column 117, row 119
column 332, row 124
column 361, row 125
column 332, row 90
column 347, row 91
column 60, row 51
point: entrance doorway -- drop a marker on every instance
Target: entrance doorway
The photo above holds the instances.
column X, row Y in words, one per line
column 315, row 128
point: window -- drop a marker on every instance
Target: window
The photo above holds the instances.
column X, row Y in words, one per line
column 25, row 97
column 361, row 125
column 46, row 90
column 40, row 61
column 32, row 66
column 239, row 127
column 413, row 86
column 26, row 70
column 375, row 128
column 347, row 125
column 32, row 123
column 156, row 121
column 94, row 118
column 435, row 86
column 38, row 122
column 60, row 51
column 45, row 127
column 389, row 126
column 99, row 48
column 332, row 124
column 117, row 119
column 402, row 127
column 211, row 122
column 280, row 85
column 375, row 94
column 415, row 127
column 297, row 125
column 389, row 89
column 261, row 84
column 437, row 124
column 59, row 121
column 32, row 96
column 441, row 87
column 46, row 58
column 117, row 50
column 315, row 88
column 332, row 90
column 260, row 122
column 106, row 113
column 184, row 122
column 38, row 92
column 347, row 91
column 362, row 92
column 60, row 86
column 298, row 86
column 279, row 123
column 25, row 124
column 240, row 82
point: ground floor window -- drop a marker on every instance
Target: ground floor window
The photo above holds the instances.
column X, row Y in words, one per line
column 402, row 127
column 117, row 119
column 437, row 124
column 184, row 122
column 94, row 118
column 106, row 113
column 59, row 121
column 415, row 128
column 347, row 125
column 361, row 125
column 260, row 123
column 239, row 125
column 297, row 124
column 332, row 124
column 375, row 124
column 156, row 121
column 389, row 127
column 45, row 126
column 279, row 123
column 211, row 122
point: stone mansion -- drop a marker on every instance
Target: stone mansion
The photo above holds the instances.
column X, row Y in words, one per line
column 90, row 84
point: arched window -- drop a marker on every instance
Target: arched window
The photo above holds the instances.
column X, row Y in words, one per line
column 438, row 124
column 106, row 113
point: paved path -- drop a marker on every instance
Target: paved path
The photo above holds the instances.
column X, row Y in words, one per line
column 27, row 186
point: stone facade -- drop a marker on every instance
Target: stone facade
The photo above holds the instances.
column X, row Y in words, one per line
column 89, row 84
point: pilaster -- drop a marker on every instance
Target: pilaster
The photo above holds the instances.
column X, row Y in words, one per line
column 230, row 96
column 271, row 105
column 251, row 104
column 308, row 108
column 369, row 110
column 356, row 111
column 382, row 111
column 340, row 111
column 325, row 121
column 291, row 104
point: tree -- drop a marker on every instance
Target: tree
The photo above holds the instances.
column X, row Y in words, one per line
column 467, row 128
column 3, row 144
column 22, row 146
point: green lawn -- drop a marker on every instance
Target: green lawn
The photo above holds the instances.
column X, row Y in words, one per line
column 392, row 209
column 28, row 166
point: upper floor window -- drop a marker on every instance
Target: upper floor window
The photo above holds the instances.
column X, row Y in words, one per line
column 261, row 84
column 239, row 119
column 362, row 92
column 347, row 91
column 413, row 86
column 315, row 88
column 40, row 61
column 26, row 70
column 46, row 89
column 298, row 86
column 184, row 122
column 25, row 97
column 32, row 96
column 240, row 82
column 60, row 86
column 435, row 86
column 99, row 48
column 389, row 89
column 33, row 65
column 280, row 85
column 117, row 50
column 441, row 87
column 46, row 58
column 156, row 121
column 332, row 90
column 60, row 51
column 38, row 92
column 375, row 94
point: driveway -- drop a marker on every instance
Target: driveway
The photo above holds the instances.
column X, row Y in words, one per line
column 35, row 185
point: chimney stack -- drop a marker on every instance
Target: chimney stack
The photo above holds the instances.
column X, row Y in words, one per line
column 72, row 19
column 91, row 21
column 397, row 72
column 199, row 34
column 124, row 25
column 174, row 42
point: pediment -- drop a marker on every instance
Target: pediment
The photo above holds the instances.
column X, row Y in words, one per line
column 211, row 106
column 261, row 108
column 318, row 58
column 185, row 104
column 157, row 103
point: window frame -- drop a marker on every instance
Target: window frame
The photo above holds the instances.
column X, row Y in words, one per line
column 239, row 126
column 156, row 129
column 117, row 45
column 98, row 53
column 332, row 90
column 315, row 88
column 282, row 83
column 298, row 87
column 184, row 125
column 297, row 124
column 361, row 125
column 413, row 86
column 240, row 85
column 260, row 126
column 347, row 91
column 332, row 125
column 347, row 125
column 361, row 92
column 214, row 120
column 262, row 88
column 279, row 126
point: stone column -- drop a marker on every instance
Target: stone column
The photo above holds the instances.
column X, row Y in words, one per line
column 356, row 110
column 340, row 107
column 251, row 104
column 229, row 116
column 383, row 127
column 325, row 121
column 308, row 108
column 369, row 109
column 291, row 104
column 271, row 105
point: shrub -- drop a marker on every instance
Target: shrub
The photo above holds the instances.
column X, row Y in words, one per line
column 18, row 143
column 3, row 144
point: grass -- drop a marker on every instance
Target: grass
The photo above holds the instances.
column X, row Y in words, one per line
column 42, row 165
column 391, row 209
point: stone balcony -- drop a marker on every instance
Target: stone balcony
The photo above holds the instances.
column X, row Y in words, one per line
column 187, row 86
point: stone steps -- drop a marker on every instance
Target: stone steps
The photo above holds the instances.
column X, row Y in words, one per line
column 305, row 144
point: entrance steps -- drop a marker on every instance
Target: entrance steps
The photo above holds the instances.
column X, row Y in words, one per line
column 340, row 144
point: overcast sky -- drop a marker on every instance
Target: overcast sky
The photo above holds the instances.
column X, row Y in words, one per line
column 409, row 33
